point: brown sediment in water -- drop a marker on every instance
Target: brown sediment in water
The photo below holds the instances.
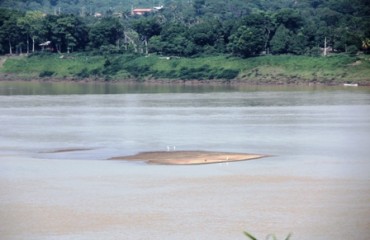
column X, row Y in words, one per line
column 188, row 157
column 68, row 150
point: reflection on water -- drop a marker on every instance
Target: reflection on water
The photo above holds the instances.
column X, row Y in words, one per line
column 59, row 88
column 54, row 88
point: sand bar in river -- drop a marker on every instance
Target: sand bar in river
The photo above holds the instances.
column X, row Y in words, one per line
column 188, row 157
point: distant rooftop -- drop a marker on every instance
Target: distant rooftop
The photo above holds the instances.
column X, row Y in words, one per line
column 141, row 11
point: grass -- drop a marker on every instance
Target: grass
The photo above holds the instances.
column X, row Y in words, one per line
column 263, row 69
column 340, row 68
column 50, row 65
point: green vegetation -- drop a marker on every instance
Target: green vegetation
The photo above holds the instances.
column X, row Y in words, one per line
column 271, row 236
column 186, row 28
column 282, row 41
column 261, row 70
column 46, row 65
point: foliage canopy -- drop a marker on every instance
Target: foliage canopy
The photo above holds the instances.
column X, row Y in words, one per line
column 185, row 28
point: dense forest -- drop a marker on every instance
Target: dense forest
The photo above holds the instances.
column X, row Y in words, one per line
column 186, row 27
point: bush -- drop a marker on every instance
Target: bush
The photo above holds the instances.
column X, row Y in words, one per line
column 84, row 73
column 110, row 49
column 352, row 50
column 315, row 52
column 46, row 73
column 137, row 70
column 195, row 73
column 228, row 74
column 40, row 54
column 111, row 67
column 95, row 71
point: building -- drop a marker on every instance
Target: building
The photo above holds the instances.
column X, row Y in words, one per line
column 98, row 15
column 141, row 11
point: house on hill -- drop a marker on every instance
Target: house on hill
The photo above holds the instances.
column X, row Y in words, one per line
column 141, row 11
column 98, row 15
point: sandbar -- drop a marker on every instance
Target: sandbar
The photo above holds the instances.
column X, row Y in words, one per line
column 68, row 150
column 188, row 157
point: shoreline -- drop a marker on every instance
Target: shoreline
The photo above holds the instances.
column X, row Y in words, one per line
column 178, row 82
column 149, row 81
column 207, row 71
column 188, row 157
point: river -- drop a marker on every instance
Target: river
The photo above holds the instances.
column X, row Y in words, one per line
column 315, row 184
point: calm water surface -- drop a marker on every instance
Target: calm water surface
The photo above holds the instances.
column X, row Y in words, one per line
column 300, row 122
column 320, row 133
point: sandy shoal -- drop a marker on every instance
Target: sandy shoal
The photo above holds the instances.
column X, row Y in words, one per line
column 188, row 157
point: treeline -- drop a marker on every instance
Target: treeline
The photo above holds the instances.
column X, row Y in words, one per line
column 220, row 8
column 193, row 28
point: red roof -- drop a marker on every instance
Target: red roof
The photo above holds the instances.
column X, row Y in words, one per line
column 142, row 10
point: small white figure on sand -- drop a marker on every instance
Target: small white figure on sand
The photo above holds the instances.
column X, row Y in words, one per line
column 169, row 148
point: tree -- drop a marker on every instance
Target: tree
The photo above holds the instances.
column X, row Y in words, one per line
column 146, row 28
column 173, row 40
column 291, row 19
column 66, row 32
column 76, row 34
column 198, row 6
column 10, row 33
column 156, row 45
column 297, row 44
column 207, row 36
column 330, row 17
column 247, row 41
column 180, row 46
column 31, row 23
column 262, row 21
column 199, row 26
column 279, row 42
column 107, row 31
column 315, row 3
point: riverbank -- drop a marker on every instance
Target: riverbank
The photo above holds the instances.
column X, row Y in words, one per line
column 216, row 70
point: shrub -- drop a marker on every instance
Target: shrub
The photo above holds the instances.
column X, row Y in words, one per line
column 111, row 67
column 40, row 54
column 228, row 74
column 46, row 73
column 137, row 70
column 84, row 73
column 352, row 50
column 110, row 49
column 315, row 52
column 95, row 71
